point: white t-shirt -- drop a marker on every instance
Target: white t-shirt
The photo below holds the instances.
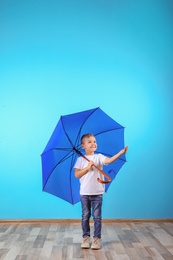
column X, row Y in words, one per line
column 88, row 182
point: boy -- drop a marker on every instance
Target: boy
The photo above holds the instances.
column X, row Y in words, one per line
column 91, row 190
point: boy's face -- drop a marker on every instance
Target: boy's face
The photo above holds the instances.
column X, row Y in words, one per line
column 89, row 144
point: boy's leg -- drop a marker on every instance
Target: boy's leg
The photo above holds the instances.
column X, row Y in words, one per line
column 86, row 214
column 96, row 205
column 97, row 217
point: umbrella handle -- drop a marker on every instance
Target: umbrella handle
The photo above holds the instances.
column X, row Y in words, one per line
column 102, row 172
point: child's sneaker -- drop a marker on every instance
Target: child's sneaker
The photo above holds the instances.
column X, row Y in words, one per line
column 85, row 243
column 96, row 244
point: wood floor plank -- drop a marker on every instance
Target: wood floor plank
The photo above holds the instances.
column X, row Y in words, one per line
column 3, row 253
column 46, row 250
column 12, row 253
column 21, row 257
column 141, row 251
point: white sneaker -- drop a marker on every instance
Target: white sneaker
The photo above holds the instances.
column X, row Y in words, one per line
column 96, row 244
column 85, row 243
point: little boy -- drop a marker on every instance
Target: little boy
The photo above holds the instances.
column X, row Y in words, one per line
column 91, row 191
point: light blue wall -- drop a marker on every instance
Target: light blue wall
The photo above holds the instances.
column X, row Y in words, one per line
column 61, row 57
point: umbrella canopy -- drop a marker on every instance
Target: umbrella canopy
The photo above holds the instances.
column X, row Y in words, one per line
column 63, row 148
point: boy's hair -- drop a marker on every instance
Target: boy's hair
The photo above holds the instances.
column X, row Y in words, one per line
column 84, row 136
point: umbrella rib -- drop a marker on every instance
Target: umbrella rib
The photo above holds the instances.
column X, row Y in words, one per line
column 63, row 159
column 78, row 135
column 61, row 149
column 109, row 130
column 66, row 132
column 96, row 134
column 77, row 138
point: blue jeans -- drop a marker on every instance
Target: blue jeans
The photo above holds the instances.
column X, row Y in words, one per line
column 91, row 204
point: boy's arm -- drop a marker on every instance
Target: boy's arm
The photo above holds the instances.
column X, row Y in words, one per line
column 80, row 172
column 116, row 156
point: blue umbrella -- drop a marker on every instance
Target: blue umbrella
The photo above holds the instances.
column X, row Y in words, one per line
column 63, row 148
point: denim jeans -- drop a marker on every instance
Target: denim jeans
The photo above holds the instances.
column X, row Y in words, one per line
column 91, row 204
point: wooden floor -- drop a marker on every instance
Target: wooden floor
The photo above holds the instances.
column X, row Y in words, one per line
column 121, row 240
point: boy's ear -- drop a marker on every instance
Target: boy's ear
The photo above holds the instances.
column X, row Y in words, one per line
column 82, row 146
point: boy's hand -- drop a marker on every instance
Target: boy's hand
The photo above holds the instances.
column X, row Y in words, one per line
column 90, row 164
column 125, row 149
column 81, row 172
